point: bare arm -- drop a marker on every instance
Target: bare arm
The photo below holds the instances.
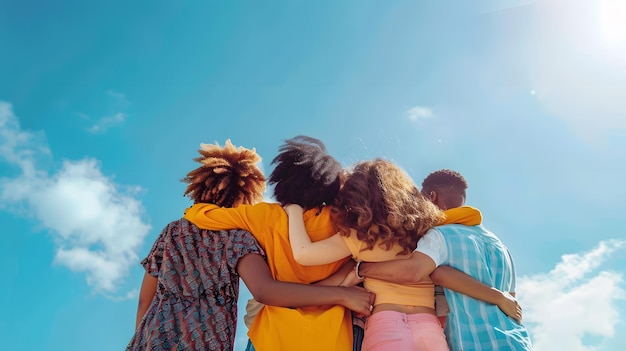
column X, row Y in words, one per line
column 409, row 271
column 339, row 278
column 146, row 294
column 309, row 253
column 257, row 277
column 456, row 280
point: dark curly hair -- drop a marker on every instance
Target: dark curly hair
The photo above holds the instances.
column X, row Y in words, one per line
column 450, row 185
column 305, row 174
column 381, row 202
column 228, row 175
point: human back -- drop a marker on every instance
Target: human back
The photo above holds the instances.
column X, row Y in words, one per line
column 306, row 174
column 191, row 277
column 311, row 328
column 473, row 249
column 380, row 214
column 479, row 325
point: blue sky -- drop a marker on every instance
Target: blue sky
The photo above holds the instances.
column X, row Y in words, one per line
column 103, row 105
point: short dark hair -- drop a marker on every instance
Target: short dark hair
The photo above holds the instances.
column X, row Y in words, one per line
column 445, row 182
column 305, row 174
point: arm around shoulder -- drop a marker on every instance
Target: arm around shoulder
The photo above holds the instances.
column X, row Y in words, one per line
column 213, row 217
column 306, row 252
column 196, row 214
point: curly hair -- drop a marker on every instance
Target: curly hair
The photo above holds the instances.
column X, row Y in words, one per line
column 305, row 174
column 449, row 184
column 228, row 175
column 381, row 202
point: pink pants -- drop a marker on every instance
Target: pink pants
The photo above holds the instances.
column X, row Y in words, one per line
column 396, row 331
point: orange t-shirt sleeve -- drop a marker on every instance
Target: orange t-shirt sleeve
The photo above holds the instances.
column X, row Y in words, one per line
column 248, row 217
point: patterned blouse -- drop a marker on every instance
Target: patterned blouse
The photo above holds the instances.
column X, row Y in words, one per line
column 195, row 305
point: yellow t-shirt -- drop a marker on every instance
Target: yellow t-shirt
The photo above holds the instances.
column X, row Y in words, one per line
column 420, row 294
column 277, row 328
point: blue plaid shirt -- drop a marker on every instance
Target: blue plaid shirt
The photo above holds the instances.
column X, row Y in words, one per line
column 474, row 325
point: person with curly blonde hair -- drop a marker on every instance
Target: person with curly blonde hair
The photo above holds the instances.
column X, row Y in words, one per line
column 472, row 249
column 380, row 215
column 188, row 297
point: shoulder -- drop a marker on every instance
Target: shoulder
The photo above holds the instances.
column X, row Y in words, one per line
column 265, row 206
column 433, row 245
column 239, row 234
column 318, row 223
column 458, row 228
column 433, row 237
column 262, row 209
column 175, row 227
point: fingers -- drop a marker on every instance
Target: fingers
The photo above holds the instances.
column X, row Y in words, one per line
column 366, row 311
column 363, row 301
column 370, row 303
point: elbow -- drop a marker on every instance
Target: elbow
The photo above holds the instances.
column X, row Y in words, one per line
column 264, row 296
column 300, row 259
column 258, row 291
column 409, row 276
column 260, row 296
column 437, row 278
column 265, row 290
column 304, row 258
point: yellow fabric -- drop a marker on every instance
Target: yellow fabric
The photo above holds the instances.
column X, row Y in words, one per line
column 421, row 294
column 277, row 328
column 466, row 215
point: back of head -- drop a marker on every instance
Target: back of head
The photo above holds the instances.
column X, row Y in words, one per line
column 228, row 176
column 449, row 187
column 305, row 174
column 381, row 202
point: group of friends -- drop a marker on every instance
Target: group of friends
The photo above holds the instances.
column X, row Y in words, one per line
column 346, row 259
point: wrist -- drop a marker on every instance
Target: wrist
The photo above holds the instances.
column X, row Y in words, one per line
column 346, row 295
column 500, row 298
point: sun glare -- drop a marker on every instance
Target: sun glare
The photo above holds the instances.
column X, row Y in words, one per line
column 613, row 24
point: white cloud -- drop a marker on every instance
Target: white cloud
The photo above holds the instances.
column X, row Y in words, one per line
column 107, row 122
column 97, row 225
column 419, row 112
column 120, row 97
column 118, row 103
column 13, row 142
column 573, row 301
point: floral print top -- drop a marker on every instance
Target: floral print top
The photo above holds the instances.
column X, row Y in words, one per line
column 195, row 305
